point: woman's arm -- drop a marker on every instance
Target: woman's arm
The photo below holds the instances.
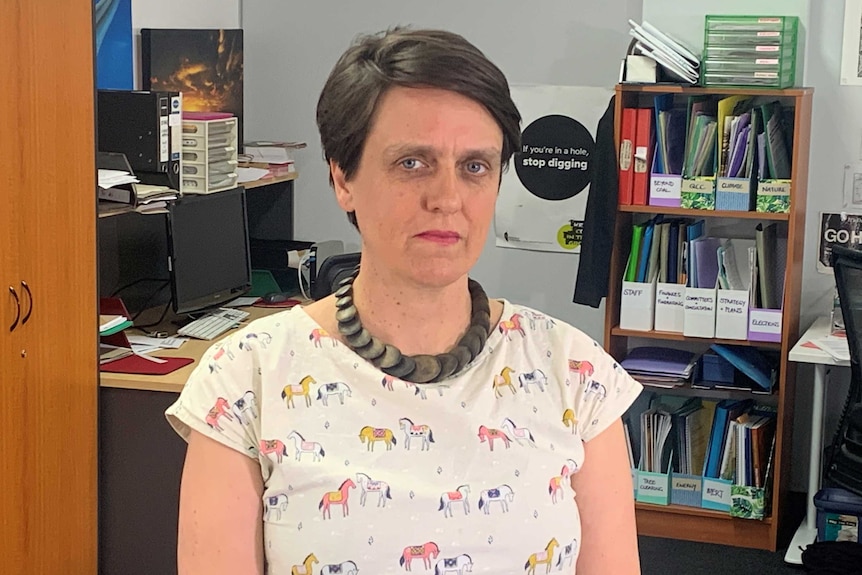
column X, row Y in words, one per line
column 220, row 527
column 603, row 489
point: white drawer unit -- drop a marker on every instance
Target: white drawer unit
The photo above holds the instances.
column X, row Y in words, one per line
column 209, row 152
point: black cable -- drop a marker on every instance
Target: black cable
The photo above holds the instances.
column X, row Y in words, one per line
column 155, row 292
column 158, row 321
column 136, row 282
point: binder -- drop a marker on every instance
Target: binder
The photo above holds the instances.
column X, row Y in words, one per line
column 146, row 126
column 626, row 163
column 644, row 140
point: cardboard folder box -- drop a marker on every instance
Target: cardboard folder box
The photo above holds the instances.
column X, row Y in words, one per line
column 637, row 306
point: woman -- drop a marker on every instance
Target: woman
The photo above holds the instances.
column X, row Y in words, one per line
column 408, row 422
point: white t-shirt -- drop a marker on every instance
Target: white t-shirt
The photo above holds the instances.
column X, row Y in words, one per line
column 366, row 473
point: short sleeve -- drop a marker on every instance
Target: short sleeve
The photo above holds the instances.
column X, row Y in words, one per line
column 220, row 398
column 605, row 391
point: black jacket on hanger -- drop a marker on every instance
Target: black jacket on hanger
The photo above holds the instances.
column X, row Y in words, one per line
column 591, row 284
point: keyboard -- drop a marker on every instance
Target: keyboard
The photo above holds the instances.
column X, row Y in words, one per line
column 213, row 324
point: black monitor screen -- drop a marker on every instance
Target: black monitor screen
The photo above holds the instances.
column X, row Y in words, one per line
column 209, row 253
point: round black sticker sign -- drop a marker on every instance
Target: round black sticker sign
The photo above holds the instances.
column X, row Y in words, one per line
column 554, row 160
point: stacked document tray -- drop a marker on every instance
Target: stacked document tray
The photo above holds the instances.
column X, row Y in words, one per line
column 749, row 51
column 209, row 152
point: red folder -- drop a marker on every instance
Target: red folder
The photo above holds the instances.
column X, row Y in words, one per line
column 644, row 139
column 133, row 363
column 141, row 366
column 626, row 158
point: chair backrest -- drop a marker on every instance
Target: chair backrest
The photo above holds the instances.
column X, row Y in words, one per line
column 331, row 271
column 845, row 462
column 847, row 265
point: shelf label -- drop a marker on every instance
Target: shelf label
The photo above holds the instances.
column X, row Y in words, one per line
column 716, row 494
column 665, row 190
column 653, row 488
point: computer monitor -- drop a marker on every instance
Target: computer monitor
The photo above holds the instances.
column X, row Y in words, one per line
column 208, row 250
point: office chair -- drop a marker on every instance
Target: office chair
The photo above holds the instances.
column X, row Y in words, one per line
column 330, row 272
column 845, row 458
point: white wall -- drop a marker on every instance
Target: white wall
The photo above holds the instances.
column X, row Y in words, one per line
column 180, row 14
column 290, row 47
column 836, row 135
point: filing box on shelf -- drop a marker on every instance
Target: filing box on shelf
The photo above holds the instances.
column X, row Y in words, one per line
column 209, row 152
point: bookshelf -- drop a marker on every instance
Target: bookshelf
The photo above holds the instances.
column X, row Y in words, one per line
column 691, row 523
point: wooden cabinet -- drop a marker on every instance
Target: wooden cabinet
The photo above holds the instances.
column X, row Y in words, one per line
column 694, row 523
column 48, row 364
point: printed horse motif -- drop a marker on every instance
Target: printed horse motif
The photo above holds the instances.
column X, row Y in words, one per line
column 305, row 568
column 536, row 318
column 458, row 496
column 426, row 552
column 276, row 446
column 263, row 338
column 223, row 350
column 318, row 334
column 512, row 324
column 556, row 485
column 567, row 555
column 367, row 485
column 339, row 497
column 535, row 377
column 504, row 379
column 220, row 409
column 541, row 558
column 275, row 503
column 245, row 408
column 338, row 388
column 458, row 565
column 502, row 495
column 422, row 390
column 569, row 419
column 489, row 435
column 302, row 389
column 411, row 431
column 597, row 388
column 302, row 446
column 373, row 434
column 521, row 434
column 346, row 568
column 584, row 369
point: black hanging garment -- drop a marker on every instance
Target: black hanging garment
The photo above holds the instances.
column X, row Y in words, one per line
column 598, row 243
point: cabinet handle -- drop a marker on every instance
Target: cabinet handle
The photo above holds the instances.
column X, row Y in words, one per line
column 18, row 308
column 29, row 300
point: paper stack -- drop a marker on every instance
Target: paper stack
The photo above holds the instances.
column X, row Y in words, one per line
column 678, row 61
column 660, row 366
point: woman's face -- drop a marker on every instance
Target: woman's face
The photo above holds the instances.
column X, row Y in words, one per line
column 426, row 186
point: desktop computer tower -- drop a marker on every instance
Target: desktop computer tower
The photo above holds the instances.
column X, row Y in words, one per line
column 146, row 126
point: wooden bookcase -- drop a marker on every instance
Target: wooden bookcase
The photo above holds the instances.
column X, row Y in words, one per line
column 690, row 523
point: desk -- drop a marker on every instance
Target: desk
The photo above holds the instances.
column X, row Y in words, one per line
column 807, row 531
column 141, row 462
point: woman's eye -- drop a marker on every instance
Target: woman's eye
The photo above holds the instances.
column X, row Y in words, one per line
column 476, row 167
column 410, row 163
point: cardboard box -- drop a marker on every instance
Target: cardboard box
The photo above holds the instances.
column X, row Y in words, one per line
column 731, row 314
column 637, row 306
column 686, row 490
column 670, row 307
column 734, row 194
column 717, row 494
column 699, row 312
column 653, row 488
column 773, row 196
column 764, row 325
column 698, row 193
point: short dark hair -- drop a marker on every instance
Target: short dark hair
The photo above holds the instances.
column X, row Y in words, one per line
column 409, row 58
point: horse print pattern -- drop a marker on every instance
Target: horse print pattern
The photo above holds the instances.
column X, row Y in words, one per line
column 491, row 452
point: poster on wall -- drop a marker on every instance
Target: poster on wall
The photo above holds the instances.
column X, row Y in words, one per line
column 206, row 65
column 543, row 195
column 851, row 52
column 112, row 21
column 841, row 229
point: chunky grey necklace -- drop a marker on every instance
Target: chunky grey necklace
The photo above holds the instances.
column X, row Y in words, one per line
column 413, row 368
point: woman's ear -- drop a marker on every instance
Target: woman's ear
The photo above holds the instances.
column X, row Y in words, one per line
column 343, row 190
